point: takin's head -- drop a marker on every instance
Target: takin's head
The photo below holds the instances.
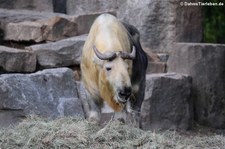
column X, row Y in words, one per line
column 115, row 71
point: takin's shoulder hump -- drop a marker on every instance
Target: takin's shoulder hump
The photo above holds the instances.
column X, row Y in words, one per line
column 106, row 18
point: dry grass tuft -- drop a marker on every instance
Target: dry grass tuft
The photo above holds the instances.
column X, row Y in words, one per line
column 73, row 133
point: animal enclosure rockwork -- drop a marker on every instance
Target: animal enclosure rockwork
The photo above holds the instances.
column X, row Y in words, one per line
column 25, row 25
column 62, row 53
column 167, row 103
column 80, row 7
column 38, row 5
column 49, row 93
column 205, row 63
column 162, row 22
column 16, row 60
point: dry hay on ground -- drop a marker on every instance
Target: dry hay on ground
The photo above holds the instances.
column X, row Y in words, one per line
column 74, row 133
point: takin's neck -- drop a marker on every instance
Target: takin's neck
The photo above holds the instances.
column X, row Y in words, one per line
column 107, row 95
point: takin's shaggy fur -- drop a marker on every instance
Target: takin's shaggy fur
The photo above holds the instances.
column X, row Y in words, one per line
column 103, row 78
column 93, row 76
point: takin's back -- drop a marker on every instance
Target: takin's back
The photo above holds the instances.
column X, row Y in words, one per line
column 108, row 34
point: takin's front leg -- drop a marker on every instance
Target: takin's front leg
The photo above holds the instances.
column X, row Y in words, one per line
column 128, row 115
column 94, row 114
column 132, row 115
column 92, row 109
column 134, row 109
column 133, row 106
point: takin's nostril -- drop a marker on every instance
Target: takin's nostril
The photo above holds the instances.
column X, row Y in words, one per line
column 125, row 93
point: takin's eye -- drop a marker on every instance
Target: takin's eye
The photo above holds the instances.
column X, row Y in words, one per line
column 108, row 68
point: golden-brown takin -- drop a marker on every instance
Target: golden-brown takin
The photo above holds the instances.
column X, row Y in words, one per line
column 113, row 67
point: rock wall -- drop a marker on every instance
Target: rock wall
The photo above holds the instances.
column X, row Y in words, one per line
column 34, row 48
column 167, row 103
column 49, row 93
column 38, row 5
column 206, row 64
column 36, row 45
column 161, row 23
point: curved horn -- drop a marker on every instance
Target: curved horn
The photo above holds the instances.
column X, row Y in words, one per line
column 131, row 55
column 108, row 56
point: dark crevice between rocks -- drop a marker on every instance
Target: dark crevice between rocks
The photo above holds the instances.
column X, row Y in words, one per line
column 19, row 44
column 76, row 71
column 9, row 109
column 59, row 6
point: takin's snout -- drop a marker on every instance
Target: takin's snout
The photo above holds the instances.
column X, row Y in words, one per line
column 124, row 94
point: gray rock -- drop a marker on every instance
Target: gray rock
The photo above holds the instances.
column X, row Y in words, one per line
column 10, row 117
column 49, row 93
column 61, row 53
column 156, row 67
column 163, row 57
column 206, row 64
column 24, row 25
column 59, row 6
column 167, row 103
column 15, row 60
column 80, row 7
column 38, row 5
column 162, row 22
column 84, row 22
column 189, row 23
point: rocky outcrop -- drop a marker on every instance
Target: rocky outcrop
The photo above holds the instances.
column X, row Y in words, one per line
column 24, row 25
column 206, row 64
column 53, row 92
column 80, row 7
column 49, row 93
column 84, row 21
column 162, row 22
column 156, row 67
column 167, row 103
column 38, row 5
column 59, row 54
column 16, row 60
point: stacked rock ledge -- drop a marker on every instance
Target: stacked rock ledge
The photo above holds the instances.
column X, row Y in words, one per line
column 205, row 63
column 25, row 25
column 167, row 103
column 16, row 60
column 50, row 93
column 62, row 53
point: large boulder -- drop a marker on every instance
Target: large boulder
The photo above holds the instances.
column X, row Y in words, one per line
column 59, row 6
column 167, row 103
column 162, row 22
column 38, row 5
column 49, row 93
column 206, row 64
column 16, row 60
column 80, row 7
column 65, row 52
column 156, row 67
column 25, row 25
column 85, row 21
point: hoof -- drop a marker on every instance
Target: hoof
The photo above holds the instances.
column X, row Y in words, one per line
column 94, row 117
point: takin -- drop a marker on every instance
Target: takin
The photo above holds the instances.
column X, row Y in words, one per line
column 113, row 67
